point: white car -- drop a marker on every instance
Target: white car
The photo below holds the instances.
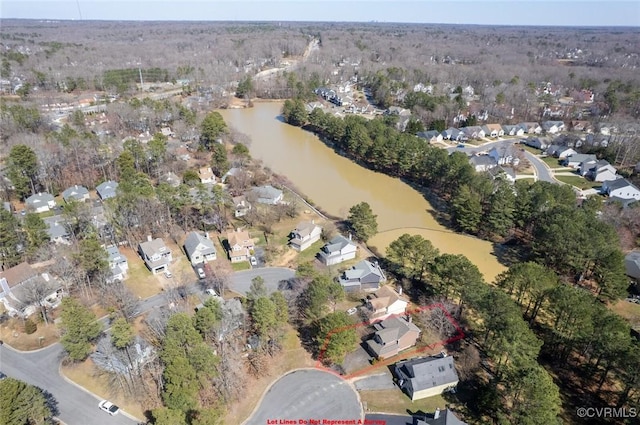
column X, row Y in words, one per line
column 109, row 407
column 168, row 274
column 201, row 274
column 352, row 310
column 253, row 260
column 210, row 291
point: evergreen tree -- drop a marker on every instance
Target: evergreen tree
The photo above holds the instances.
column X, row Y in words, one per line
column 22, row 169
column 362, row 221
column 79, row 329
column 336, row 337
column 212, row 128
column 9, row 239
column 22, row 404
column 35, row 231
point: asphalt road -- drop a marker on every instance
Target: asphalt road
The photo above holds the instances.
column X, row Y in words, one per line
column 241, row 281
column 541, row 169
column 40, row 368
column 77, row 406
column 309, row 394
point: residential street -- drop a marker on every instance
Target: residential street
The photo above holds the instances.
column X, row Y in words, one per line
column 40, row 368
column 76, row 406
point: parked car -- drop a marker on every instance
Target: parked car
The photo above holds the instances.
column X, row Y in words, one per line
column 253, row 260
column 352, row 310
column 211, row 291
column 201, row 273
column 168, row 274
column 109, row 407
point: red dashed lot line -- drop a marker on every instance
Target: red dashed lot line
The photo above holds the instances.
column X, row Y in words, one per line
column 407, row 353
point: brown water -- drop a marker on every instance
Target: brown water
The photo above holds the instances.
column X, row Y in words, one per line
column 335, row 184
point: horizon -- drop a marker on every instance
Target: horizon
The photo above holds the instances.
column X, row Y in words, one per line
column 518, row 13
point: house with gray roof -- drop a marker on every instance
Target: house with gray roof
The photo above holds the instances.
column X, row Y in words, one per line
column 632, row 264
column 440, row 417
column 267, row 195
column 482, row 162
column 57, row 229
column 199, row 248
column 473, row 132
column 512, row 130
column 560, row 152
column 40, row 202
column 118, row 263
column 426, row 377
column 553, row 127
column 337, row 250
column 431, row 136
column 364, row 275
column 155, row 254
column 620, row 188
column 575, row 160
column 75, row 193
column 304, row 235
column 392, row 335
column 107, row 189
column 601, row 171
column 452, row 133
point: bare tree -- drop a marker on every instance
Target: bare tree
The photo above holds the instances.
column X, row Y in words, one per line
column 35, row 293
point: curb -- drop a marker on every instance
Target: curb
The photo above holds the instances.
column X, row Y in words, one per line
column 266, row 391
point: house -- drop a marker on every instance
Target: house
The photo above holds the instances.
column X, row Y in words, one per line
column 241, row 206
column 512, row 130
column 493, row 130
column 452, row 134
column 580, row 125
column 482, row 162
column 536, row 142
column 240, row 246
column 602, row 171
column 364, row 275
column 607, row 129
column 304, row 235
column 155, row 254
column 386, row 302
column 425, row 377
column 621, row 188
column 166, row 132
column 431, row 136
column 267, row 195
column 206, row 175
column 171, row 179
column 392, row 335
column 57, row 229
column 553, row 127
column 502, row 173
column 107, row 189
column 530, row 127
column 574, row 160
column 440, row 417
column 40, row 202
column 632, row 264
column 472, row 132
column 337, row 250
column 75, row 193
column 18, row 285
column 560, row 152
column 199, row 248
column 118, row 263
column 504, row 155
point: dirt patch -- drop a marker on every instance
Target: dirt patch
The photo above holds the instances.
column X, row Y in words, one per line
column 12, row 334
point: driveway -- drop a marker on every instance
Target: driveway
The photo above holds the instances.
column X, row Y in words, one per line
column 241, row 281
column 308, row 394
column 357, row 360
column 382, row 380
column 40, row 368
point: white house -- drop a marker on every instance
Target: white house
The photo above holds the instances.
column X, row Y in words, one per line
column 621, row 188
column 18, row 287
column 240, row 245
column 40, row 202
column 155, row 254
column 206, row 175
column 602, row 171
column 482, row 162
column 118, row 263
column 199, row 248
column 386, row 302
column 493, row 130
column 304, row 235
column 267, row 195
column 337, row 250
column 75, row 193
column 553, row 127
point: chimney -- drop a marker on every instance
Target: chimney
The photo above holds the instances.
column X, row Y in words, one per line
column 349, row 235
column 149, row 238
column 399, row 290
column 436, row 414
column 206, row 235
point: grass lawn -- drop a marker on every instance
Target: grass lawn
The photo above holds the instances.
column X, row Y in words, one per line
column 139, row 279
column 11, row 332
column 531, row 149
column 578, row 181
column 395, row 401
column 237, row 267
column 627, row 310
column 551, row 161
column 309, row 254
column 85, row 375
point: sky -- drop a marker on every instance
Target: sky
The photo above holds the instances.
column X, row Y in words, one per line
column 482, row 12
